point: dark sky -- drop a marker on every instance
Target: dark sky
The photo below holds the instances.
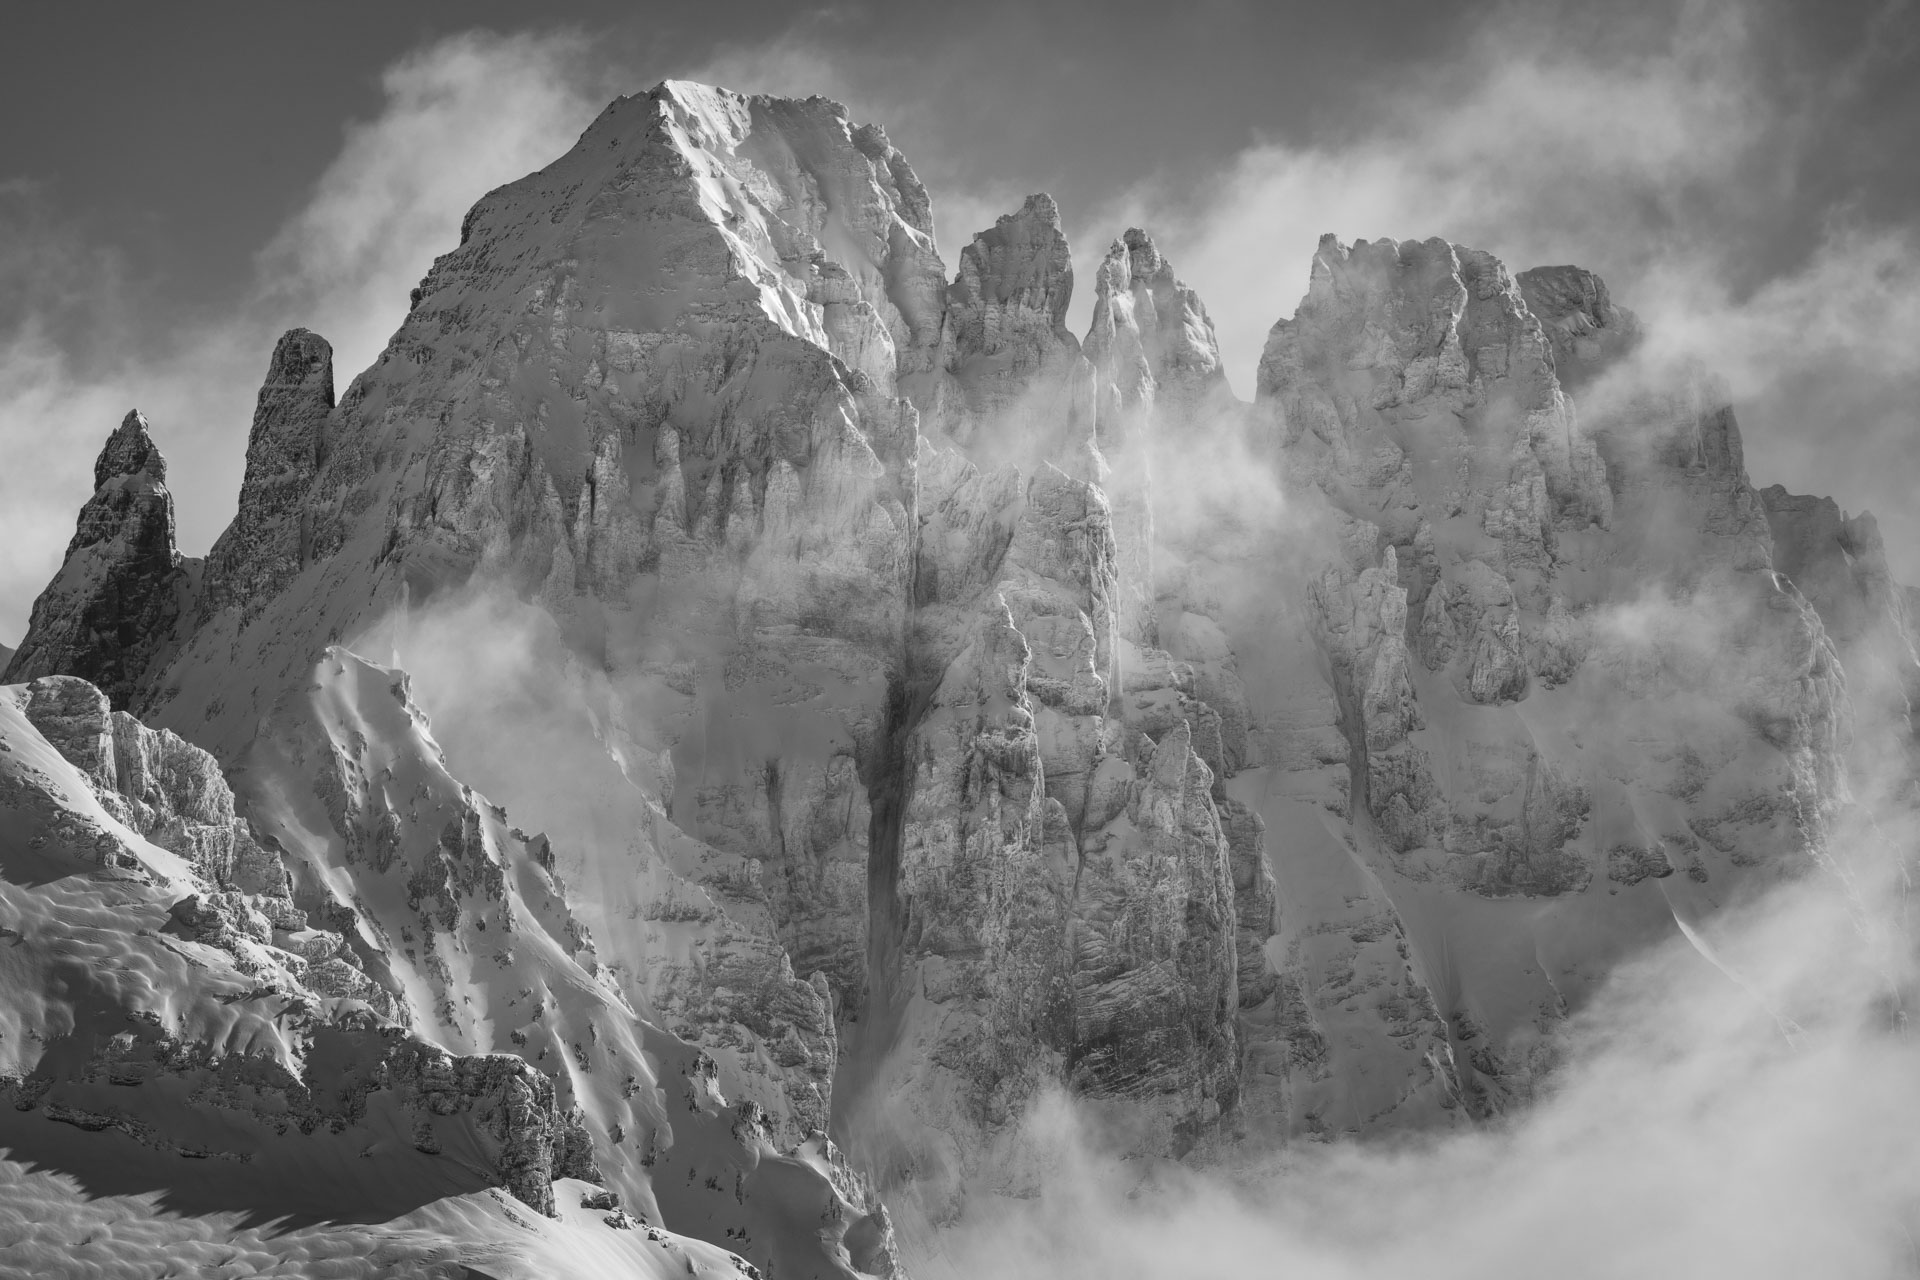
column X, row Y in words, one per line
column 179, row 183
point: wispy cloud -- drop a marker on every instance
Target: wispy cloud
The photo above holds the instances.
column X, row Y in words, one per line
column 1738, row 1113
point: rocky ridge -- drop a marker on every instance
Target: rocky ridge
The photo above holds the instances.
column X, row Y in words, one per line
column 204, row 975
column 935, row 709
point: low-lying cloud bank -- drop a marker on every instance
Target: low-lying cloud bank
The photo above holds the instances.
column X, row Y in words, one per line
column 1739, row 1105
column 80, row 343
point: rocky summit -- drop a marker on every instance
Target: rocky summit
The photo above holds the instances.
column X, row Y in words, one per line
column 924, row 712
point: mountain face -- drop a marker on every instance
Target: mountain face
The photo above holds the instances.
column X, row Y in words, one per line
column 924, row 709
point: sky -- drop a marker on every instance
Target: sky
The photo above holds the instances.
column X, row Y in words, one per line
column 176, row 191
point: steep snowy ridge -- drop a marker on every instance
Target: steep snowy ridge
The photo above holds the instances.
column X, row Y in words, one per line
column 270, row 538
column 152, row 970
column 925, row 709
column 230, row 1027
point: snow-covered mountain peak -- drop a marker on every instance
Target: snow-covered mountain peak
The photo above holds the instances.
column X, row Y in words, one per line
column 925, row 709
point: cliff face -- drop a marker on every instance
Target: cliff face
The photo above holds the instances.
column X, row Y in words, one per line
column 926, row 708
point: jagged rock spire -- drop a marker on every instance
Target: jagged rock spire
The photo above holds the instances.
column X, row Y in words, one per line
column 1148, row 323
column 1156, row 360
column 1015, row 281
column 112, row 606
column 130, row 450
column 269, row 540
column 1839, row 562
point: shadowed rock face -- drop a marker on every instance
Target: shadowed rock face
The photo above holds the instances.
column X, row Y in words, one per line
column 270, row 539
column 109, row 615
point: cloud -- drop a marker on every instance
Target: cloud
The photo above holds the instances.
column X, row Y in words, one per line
column 1532, row 148
column 1655, row 154
column 1740, row 1106
column 80, row 344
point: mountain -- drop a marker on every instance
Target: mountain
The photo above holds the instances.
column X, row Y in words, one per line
column 924, row 710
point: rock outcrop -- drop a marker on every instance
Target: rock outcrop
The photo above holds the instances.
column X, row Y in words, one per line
column 1061, row 910
column 109, row 615
column 1159, row 374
